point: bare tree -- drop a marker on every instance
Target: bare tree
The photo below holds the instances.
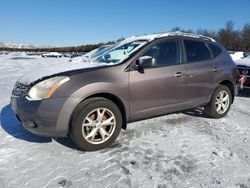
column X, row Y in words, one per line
column 229, row 37
column 245, row 43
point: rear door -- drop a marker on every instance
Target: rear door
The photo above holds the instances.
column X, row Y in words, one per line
column 161, row 88
column 200, row 72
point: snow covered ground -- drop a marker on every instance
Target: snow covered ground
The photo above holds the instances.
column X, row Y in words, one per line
column 179, row 150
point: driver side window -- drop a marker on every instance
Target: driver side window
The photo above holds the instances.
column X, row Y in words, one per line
column 164, row 53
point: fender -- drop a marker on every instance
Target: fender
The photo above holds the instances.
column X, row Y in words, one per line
column 78, row 96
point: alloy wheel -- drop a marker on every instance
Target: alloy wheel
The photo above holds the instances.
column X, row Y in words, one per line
column 222, row 102
column 98, row 126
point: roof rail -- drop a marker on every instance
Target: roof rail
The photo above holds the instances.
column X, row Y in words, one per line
column 178, row 33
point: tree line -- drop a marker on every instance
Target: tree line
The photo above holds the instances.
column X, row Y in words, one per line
column 81, row 48
column 233, row 40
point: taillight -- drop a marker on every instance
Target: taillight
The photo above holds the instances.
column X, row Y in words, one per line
column 242, row 80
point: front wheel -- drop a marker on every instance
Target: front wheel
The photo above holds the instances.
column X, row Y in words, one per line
column 96, row 124
column 220, row 103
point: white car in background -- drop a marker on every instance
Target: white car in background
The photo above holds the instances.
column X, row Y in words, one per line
column 236, row 55
column 52, row 54
column 90, row 54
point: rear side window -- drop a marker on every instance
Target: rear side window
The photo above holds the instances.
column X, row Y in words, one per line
column 196, row 51
column 215, row 49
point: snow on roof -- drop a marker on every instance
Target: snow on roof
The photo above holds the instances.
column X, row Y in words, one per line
column 136, row 38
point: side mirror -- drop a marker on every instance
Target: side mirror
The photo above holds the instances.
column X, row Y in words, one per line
column 145, row 62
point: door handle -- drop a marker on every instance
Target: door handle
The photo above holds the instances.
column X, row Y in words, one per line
column 178, row 74
column 215, row 69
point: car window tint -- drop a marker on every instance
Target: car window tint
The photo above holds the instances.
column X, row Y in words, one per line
column 196, row 51
column 164, row 53
column 215, row 49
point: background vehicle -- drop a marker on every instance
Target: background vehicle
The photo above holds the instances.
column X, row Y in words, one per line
column 90, row 54
column 237, row 55
column 95, row 52
column 246, row 54
column 52, row 54
column 138, row 78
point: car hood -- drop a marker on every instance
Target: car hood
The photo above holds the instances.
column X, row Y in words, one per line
column 55, row 70
column 243, row 62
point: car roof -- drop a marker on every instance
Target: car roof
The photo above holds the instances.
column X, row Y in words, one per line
column 168, row 34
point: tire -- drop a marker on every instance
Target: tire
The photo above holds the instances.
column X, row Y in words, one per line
column 215, row 108
column 104, row 128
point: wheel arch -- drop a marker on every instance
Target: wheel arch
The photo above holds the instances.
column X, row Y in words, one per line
column 110, row 97
column 230, row 86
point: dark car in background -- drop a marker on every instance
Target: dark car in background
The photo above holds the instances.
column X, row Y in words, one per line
column 138, row 78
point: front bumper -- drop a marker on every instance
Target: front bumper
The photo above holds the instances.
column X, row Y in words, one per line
column 39, row 117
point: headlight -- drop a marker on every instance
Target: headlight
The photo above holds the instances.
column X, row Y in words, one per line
column 46, row 88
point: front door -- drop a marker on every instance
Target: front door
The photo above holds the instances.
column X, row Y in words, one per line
column 161, row 88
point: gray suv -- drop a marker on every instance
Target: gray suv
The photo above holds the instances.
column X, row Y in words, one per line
column 135, row 79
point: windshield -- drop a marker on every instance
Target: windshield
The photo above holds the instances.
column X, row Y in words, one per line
column 118, row 52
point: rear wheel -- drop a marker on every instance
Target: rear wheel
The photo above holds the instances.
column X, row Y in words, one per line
column 96, row 124
column 220, row 103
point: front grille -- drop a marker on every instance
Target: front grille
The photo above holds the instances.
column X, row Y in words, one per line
column 243, row 69
column 20, row 89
